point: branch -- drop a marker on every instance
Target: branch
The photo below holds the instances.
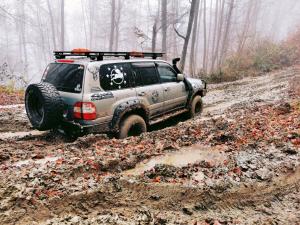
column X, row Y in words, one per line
column 177, row 32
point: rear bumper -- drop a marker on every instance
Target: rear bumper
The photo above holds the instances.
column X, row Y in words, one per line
column 77, row 128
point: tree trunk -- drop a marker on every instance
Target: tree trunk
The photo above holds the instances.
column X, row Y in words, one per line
column 219, row 35
column 204, row 39
column 194, row 36
column 23, row 37
column 119, row 8
column 164, row 4
column 188, row 34
column 52, row 24
column 209, row 35
column 155, row 29
column 112, row 25
column 84, row 23
column 226, row 33
column 214, row 36
column 62, row 29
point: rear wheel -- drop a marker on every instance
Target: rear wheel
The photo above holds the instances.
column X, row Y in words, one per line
column 196, row 107
column 133, row 125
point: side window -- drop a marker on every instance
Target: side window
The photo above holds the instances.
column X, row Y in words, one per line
column 145, row 74
column 166, row 73
column 115, row 76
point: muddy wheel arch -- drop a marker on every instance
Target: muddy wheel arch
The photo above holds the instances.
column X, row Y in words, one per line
column 128, row 108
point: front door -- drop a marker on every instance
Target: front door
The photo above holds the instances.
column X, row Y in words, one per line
column 148, row 87
column 175, row 94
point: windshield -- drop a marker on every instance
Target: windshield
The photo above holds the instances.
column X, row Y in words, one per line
column 65, row 77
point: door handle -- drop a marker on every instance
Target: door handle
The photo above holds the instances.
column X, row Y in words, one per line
column 142, row 93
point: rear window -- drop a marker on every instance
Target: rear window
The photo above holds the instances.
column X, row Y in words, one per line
column 65, row 77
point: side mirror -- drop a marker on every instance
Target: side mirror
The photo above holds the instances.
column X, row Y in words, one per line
column 180, row 77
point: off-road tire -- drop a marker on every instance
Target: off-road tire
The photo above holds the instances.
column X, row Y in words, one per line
column 196, row 107
column 132, row 125
column 44, row 106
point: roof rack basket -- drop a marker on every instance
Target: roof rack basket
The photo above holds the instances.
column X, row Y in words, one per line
column 94, row 55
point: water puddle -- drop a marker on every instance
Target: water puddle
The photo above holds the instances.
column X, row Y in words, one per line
column 41, row 162
column 181, row 158
column 11, row 135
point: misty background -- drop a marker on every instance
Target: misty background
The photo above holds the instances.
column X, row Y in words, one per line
column 203, row 32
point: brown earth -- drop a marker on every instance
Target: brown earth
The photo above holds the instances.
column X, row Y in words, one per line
column 238, row 163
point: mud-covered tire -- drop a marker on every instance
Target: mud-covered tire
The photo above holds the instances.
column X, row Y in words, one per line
column 44, row 106
column 196, row 107
column 132, row 125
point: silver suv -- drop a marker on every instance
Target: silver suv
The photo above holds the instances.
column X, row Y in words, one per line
column 80, row 92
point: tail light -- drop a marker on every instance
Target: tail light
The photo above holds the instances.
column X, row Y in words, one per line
column 65, row 60
column 84, row 110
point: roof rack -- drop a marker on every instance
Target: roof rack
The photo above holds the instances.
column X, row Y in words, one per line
column 100, row 55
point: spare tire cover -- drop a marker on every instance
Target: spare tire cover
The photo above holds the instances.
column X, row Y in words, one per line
column 44, row 106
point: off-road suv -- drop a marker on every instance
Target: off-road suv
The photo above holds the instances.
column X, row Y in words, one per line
column 80, row 92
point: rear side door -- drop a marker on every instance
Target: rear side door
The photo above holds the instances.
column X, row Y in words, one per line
column 174, row 92
column 148, row 87
column 116, row 81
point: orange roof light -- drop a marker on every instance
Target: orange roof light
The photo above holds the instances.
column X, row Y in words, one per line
column 80, row 50
column 136, row 54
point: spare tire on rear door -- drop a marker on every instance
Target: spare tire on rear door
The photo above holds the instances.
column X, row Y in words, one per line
column 44, row 106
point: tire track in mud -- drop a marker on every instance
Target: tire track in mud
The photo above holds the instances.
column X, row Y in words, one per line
column 121, row 196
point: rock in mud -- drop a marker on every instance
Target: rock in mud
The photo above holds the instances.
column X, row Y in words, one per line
column 264, row 174
column 187, row 211
column 162, row 170
column 284, row 108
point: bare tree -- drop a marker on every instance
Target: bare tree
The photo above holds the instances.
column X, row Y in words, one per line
column 164, row 4
column 84, row 23
column 62, row 29
column 226, row 32
column 194, row 37
column 188, row 33
column 214, row 34
column 155, row 29
column 204, row 39
column 117, row 24
column 215, row 55
column 112, row 25
column 52, row 24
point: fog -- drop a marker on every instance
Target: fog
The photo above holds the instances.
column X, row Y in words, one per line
column 32, row 29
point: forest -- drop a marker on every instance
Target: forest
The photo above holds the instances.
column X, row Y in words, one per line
column 216, row 39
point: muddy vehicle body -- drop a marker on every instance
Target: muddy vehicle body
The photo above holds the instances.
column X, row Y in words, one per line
column 122, row 96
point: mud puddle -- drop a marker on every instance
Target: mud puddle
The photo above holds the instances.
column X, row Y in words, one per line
column 181, row 158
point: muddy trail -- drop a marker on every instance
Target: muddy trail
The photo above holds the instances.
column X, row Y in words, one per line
column 237, row 163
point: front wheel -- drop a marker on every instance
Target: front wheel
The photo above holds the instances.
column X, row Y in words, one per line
column 196, row 107
column 133, row 125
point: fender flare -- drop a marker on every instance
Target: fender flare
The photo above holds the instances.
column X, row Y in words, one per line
column 127, row 107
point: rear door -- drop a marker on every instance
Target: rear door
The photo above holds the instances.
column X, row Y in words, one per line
column 174, row 92
column 68, row 80
column 148, row 87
